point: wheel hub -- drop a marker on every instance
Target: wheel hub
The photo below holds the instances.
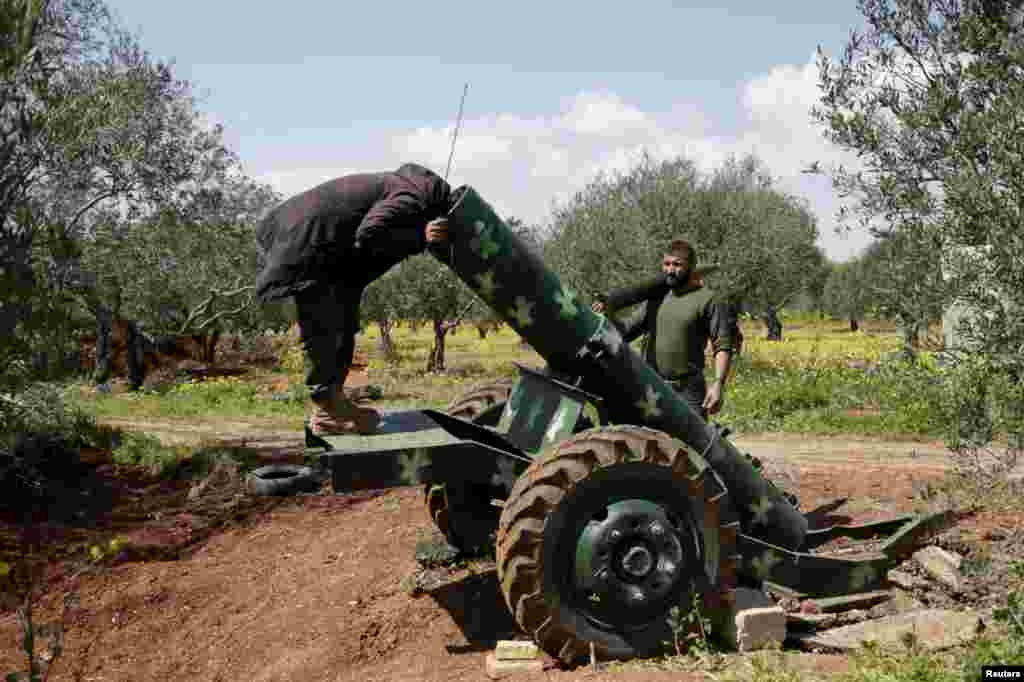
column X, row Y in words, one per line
column 631, row 558
column 637, row 561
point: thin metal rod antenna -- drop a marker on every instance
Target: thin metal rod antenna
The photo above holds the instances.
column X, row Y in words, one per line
column 455, row 135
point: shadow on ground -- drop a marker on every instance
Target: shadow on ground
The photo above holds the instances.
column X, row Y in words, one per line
column 477, row 607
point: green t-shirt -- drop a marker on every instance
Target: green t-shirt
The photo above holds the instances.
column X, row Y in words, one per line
column 678, row 329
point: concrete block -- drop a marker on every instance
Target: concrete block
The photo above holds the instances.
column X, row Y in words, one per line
column 753, row 622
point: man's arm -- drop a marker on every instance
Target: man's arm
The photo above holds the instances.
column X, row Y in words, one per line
column 374, row 236
column 724, row 331
column 634, row 325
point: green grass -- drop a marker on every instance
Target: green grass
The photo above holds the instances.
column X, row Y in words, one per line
column 202, row 399
column 180, row 462
column 896, row 399
column 802, row 385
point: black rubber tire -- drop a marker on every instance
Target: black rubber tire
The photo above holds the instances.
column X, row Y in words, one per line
column 482, row 404
column 283, row 479
column 539, row 528
column 470, row 524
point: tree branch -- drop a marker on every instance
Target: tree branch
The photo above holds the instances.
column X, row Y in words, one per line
column 203, row 307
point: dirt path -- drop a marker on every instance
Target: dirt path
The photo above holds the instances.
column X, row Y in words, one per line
column 270, row 437
column 317, row 588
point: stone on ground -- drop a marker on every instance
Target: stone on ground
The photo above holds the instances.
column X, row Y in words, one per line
column 942, row 565
column 753, row 622
column 906, row 581
column 931, row 629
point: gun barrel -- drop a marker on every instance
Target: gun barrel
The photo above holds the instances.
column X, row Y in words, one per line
column 582, row 345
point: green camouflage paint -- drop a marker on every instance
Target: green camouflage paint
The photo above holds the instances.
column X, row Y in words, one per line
column 583, row 349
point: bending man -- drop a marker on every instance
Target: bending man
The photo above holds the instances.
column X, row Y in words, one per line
column 323, row 247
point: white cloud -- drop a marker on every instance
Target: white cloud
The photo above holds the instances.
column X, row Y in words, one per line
column 522, row 164
column 601, row 113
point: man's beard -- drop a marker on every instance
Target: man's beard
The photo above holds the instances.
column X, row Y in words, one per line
column 677, row 281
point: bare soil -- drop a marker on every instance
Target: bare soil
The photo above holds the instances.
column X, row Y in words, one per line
column 219, row 585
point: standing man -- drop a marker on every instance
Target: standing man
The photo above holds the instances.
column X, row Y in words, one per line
column 323, row 247
column 679, row 320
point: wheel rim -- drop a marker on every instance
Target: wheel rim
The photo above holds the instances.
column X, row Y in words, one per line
column 635, row 559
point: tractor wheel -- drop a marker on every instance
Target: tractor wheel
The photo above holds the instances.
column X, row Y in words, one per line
column 465, row 516
column 482, row 404
column 604, row 534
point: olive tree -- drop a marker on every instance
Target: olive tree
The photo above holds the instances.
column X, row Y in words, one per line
column 41, row 40
column 761, row 239
column 929, row 97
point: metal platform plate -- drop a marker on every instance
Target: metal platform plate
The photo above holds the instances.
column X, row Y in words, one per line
column 416, row 447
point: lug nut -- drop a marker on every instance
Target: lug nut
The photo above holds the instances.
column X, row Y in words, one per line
column 615, row 535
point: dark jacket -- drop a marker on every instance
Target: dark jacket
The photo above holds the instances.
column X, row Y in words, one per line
column 351, row 229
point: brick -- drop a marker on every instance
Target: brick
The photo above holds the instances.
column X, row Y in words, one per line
column 752, row 622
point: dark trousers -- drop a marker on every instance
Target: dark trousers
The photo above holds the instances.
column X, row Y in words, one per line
column 328, row 317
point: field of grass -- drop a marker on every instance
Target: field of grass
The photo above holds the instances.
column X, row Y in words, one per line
column 820, row 379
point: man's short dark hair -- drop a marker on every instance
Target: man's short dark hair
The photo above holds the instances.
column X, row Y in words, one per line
column 682, row 249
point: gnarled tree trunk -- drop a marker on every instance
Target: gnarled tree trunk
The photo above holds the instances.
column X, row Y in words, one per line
column 773, row 323
column 387, row 343
column 435, row 360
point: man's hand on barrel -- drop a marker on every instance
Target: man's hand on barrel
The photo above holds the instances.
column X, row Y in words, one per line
column 437, row 231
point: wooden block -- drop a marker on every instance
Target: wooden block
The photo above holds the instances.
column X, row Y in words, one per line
column 516, row 650
column 497, row 670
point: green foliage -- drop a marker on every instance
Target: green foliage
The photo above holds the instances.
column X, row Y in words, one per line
column 224, row 397
column 619, row 226
column 423, row 290
column 897, row 398
column 979, row 405
column 41, row 409
column 875, row 665
column 691, row 629
column 142, row 449
column 927, row 98
column 846, row 293
column 151, row 263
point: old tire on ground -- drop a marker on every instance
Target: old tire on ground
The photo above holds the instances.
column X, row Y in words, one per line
column 605, row 533
column 283, row 479
column 465, row 516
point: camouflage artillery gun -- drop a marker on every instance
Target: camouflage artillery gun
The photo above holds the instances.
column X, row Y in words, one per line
column 600, row 529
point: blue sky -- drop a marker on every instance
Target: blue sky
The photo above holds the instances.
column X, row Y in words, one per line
column 558, row 90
